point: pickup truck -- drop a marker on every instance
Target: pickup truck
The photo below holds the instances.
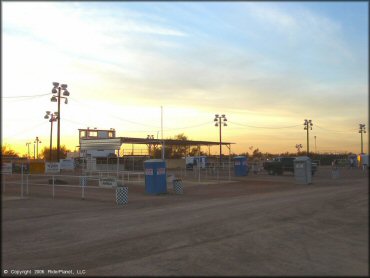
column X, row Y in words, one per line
column 279, row 165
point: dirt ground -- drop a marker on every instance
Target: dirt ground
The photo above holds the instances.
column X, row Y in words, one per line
column 255, row 225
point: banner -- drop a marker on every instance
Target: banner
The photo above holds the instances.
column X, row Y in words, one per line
column 67, row 164
column 6, row 167
column 37, row 167
column 107, row 182
column 52, row 167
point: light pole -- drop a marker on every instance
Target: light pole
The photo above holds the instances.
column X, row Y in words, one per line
column 362, row 130
column 315, row 143
column 56, row 98
column 37, row 141
column 307, row 126
column 149, row 145
column 299, row 147
column 28, row 145
column 221, row 120
column 53, row 118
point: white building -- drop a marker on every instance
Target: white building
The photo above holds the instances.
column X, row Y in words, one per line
column 91, row 146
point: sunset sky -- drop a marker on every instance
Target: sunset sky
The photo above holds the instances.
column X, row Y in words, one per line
column 266, row 65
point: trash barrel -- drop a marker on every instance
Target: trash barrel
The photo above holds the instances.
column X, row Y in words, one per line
column 240, row 166
column 155, row 176
column 83, row 181
column 121, row 195
column 177, row 186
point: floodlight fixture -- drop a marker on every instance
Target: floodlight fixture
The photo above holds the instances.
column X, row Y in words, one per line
column 56, row 98
column 220, row 124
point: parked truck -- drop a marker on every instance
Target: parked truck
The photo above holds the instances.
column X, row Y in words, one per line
column 279, row 165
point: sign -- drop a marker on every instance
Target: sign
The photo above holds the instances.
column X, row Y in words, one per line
column 6, row 167
column 52, row 167
column 149, row 172
column 107, row 182
column 237, row 163
column 67, row 164
column 37, row 167
column 161, row 171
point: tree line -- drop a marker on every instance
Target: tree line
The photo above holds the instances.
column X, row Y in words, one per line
column 182, row 151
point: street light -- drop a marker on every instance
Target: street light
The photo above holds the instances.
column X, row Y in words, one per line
column 220, row 121
column 149, row 144
column 37, row 142
column 53, row 118
column 299, row 147
column 56, row 98
column 307, row 126
column 28, row 145
column 362, row 130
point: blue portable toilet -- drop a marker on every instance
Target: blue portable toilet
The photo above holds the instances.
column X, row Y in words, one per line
column 240, row 166
column 155, row 176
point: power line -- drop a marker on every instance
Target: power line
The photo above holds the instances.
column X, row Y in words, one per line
column 34, row 96
column 339, row 131
column 186, row 127
column 266, row 127
column 28, row 129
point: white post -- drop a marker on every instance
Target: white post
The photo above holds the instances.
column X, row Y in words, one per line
column 162, row 132
column 229, row 162
column 22, row 180
column 218, row 170
column 117, row 162
column 4, row 181
column 83, row 187
column 53, row 188
column 199, row 163
column 27, row 184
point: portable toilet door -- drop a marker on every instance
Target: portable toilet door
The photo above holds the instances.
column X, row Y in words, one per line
column 240, row 166
column 302, row 170
column 155, row 176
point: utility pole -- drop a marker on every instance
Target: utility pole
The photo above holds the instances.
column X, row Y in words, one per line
column 162, row 133
column 37, row 141
column 56, row 98
column 53, row 118
column 28, row 145
column 218, row 119
column 299, row 147
column 307, row 126
column 362, row 130
column 315, row 143
column 150, row 137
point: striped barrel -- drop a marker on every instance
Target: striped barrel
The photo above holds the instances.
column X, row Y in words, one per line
column 122, row 195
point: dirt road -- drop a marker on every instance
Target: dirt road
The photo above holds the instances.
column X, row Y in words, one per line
column 301, row 230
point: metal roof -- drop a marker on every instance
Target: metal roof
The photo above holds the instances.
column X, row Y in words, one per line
column 115, row 143
column 169, row 142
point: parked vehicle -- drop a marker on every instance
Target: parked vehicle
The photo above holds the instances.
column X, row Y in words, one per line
column 279, row 165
